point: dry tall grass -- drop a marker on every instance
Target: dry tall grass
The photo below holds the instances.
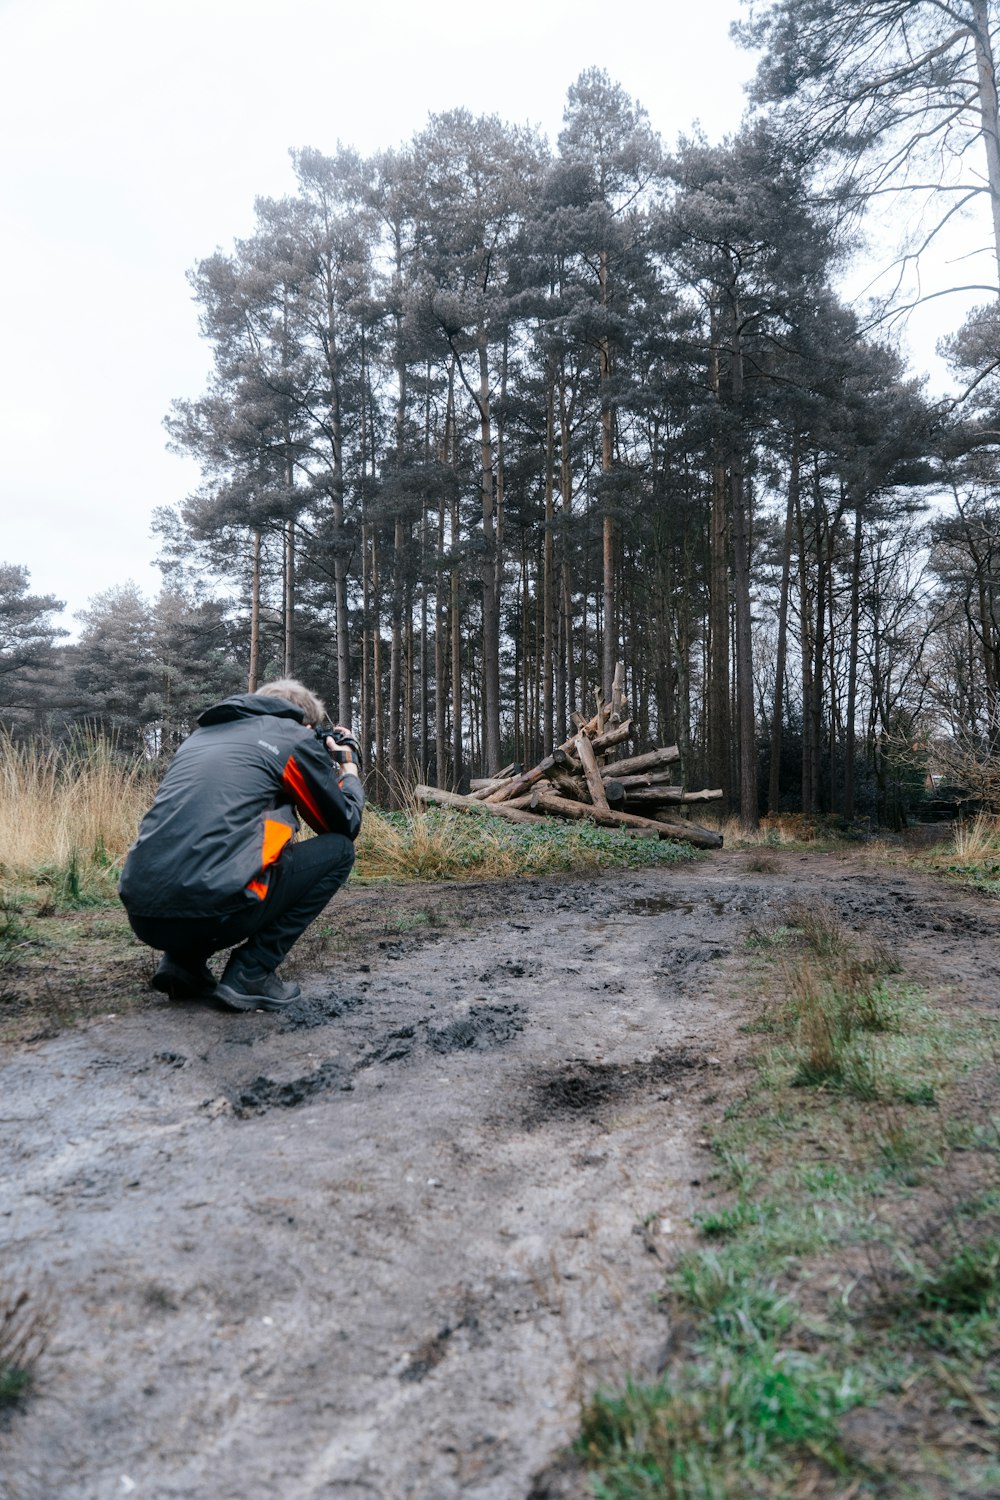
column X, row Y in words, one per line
column 68, row 816
column 26, row 1321
column 63, row 805
column 425, row 846
column 771, row 832
column 978, row 839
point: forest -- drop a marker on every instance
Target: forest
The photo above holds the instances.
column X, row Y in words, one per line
column 487, row 416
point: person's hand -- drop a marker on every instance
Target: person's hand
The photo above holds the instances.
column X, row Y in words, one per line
column 345, row 767
column 340, row 747
column 346, row 740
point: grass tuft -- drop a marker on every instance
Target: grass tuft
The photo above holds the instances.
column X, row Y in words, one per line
column 15, row 932
column 25, row 1325
column 972, row 855
column 729, row 1422
column 964, row 1283
column 979, row 839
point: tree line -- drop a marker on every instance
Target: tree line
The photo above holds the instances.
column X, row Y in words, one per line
column 486, row 417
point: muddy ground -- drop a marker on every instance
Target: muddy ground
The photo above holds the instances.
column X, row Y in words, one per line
column 382, row 1246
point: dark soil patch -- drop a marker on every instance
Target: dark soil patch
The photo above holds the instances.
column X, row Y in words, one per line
column 485, row 1026
column 312, row 1011
column 423, row 1359
column 264, row 1094
column 393, row 1046
column 655, row 906
column 580, row 1087
column 344, row 1353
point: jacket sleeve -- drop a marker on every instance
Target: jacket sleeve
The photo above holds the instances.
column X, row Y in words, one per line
column 329, row 803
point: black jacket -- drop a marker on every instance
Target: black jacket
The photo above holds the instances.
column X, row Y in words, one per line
column 227, row 807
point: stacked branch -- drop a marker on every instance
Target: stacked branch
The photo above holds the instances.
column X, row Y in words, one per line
column 578, row 780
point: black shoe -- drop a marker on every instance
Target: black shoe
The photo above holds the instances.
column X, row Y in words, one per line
column 244, row 986
column 182, row 983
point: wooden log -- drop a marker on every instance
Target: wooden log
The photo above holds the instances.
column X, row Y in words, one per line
column 686, row 833
column 559, row 757
column 591, row 770
column 514, row 769
column 520, row 783
column 642, row 779
column 483, row 785
column 611, row 737
column 435, row 797
column 646, row 762
column 523, row 801
column 570, row 785
column 575, row 787
column 649, row 796
column 618, row 694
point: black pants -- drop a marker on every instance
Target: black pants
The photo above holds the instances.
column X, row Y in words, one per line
column 304, row 879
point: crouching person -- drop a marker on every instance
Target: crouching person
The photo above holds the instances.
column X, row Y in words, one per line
column 216, row 864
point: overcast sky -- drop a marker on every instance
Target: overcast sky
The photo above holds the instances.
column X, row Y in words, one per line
column 137, row 135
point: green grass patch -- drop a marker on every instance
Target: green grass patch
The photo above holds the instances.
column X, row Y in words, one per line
column 15, row 932
column 728, row 1424
column 972, row 854
column 965, row 1282
column 852, row 1258
column 443, row 845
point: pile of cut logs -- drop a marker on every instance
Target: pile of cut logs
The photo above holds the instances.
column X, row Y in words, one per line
column 578, row 781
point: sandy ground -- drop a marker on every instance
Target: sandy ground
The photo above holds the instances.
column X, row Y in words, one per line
column 384, row 1245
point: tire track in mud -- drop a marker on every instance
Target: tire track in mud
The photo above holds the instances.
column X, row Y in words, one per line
column 384, row 1244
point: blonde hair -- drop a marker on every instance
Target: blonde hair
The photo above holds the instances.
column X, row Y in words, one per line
column 287, row 687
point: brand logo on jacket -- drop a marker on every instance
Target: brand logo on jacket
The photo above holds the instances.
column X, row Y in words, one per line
column 273, row 748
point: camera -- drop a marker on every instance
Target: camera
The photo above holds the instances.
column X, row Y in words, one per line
column 347, row 746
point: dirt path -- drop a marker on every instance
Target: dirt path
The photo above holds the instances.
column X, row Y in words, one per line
column 382, row 1247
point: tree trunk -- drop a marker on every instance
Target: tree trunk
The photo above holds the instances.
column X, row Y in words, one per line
column 254, row 670
column 741, row 588
column 719, row 730
column 808, row 796
column 852, row 670
column 288, row 667
column 548, row 567
column 774, row 774
column 408, row 686
column 379, row 708
column 488, row 573
column 396, row 666
column 440, row 658
column 457, row 767
column 367, row 636
column 566, row 580
column 609, row 639
column 986, row 77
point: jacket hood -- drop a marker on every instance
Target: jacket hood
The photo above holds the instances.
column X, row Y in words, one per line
column 248, row 706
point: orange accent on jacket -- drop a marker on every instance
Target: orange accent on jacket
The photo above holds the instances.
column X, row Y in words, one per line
column 276, row 836
column 296, row 784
